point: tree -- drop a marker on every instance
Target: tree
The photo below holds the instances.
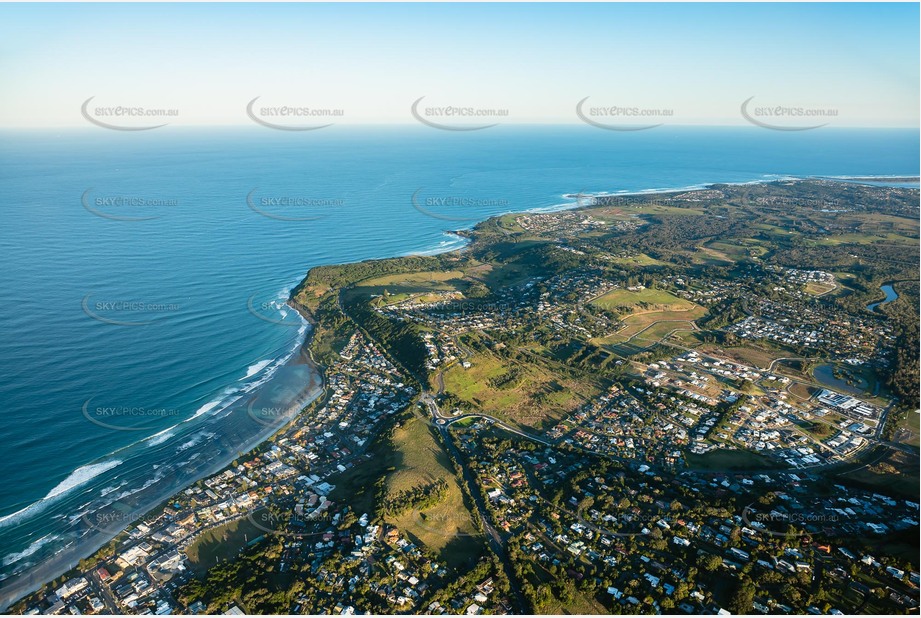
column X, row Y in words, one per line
column 710, row 562
column 477, row 290
column 743, row 598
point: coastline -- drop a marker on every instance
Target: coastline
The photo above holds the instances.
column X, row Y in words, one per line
column 17, row 586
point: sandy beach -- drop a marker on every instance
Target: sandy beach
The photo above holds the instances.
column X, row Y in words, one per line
column 238, row 430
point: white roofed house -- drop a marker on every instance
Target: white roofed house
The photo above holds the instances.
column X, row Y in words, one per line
column 72, row 587
column 133, row 556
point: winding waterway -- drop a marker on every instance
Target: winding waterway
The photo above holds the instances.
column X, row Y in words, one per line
column 890, row 293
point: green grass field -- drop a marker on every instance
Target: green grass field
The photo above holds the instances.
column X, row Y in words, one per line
column 413, row 457
column 748, row 354
column 433, row 277
column 911, row 424
column 469, row 383
column 725, row 459
column 887, row 469
column 818, row 289
column 446, row 528
column 507, row 222
column 709, row 255
column 627, row 350
column 421, row 297
column 517, row 402
column 646, row 325
column 866, row 239
column 738, row 249
column 661, row 328
column 507, row 275
column 581, row 605
column 661, row 209
column 641, row 259
column 648, row 298
column 221, row 543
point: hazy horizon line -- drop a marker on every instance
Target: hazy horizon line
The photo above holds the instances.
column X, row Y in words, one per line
column 741, row 125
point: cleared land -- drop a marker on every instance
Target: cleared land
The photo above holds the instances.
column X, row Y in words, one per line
column 661, row 209
column 447, row 527
column 640, row 259
column 414, row 457
column 740, row 249
column 910, row 429
column 648, row 298
column 749, row 354
column 661, row 328
column 818, row 289
column 888, row 469
column 708, row 255
column 221, row 543
column 640, row 322
column 653, row 314
column 434, row 277
column 725, row 459
column 525, row 393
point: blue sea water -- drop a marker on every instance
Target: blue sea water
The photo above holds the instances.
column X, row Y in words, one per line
column 144, row 274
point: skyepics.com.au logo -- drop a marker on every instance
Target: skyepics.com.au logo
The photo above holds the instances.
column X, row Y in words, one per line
column 456, row 117
column 473, row 307
column 456, row 207
column 476, row 310
column 621, row 117
column 292, row 117
column 274, row 310
column 121, row 207
column 785, row 117
column 788, row 523
column 292, row 524
column 121, row 417
column 457, row 524
column 126, row 117
column 755, row 196
column 629, row 201
column 624, row 526
column 110, row 520
column 126, row 312
column 450, row 524
column 272, row 416
column 292, row 208
column 581, row 199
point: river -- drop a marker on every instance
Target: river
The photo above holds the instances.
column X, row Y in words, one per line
column 890, row 293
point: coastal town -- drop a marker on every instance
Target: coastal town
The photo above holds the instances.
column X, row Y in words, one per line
column 625, row 408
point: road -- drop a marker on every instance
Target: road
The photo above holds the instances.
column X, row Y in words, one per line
column 104, row 593
column 494, row 538
column 494, row 421
column 496, row 541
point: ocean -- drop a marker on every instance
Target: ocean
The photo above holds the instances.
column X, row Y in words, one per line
column 145, row 274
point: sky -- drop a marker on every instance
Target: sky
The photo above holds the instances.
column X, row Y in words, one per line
column 694, row 63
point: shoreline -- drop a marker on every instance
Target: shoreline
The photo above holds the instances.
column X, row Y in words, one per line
column 17, row 586
column 22, row 584
column 896, row 179
column 870, row 178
